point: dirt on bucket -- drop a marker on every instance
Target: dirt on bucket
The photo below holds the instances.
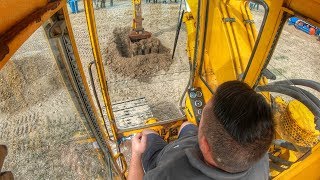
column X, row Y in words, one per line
column 139, row 59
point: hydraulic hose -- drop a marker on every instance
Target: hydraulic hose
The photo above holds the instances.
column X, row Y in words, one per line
column 177, row 35
column 306, row 93
column 94, row 87
column 296, row 95
column 302, row 82
column 290, row 146
column 96, row 97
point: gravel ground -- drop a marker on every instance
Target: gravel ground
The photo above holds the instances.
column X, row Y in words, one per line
column 296, row 55
column 39, row 122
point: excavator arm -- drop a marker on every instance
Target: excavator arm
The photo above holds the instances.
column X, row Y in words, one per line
column 138, row 31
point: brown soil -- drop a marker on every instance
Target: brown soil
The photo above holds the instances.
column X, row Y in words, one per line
column 138, row 59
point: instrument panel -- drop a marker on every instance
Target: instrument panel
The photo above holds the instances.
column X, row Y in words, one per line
column 197, row 102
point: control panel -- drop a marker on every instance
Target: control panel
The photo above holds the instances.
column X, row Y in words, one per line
column 197, row 102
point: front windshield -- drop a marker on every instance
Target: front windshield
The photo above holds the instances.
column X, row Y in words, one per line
column 142, row 84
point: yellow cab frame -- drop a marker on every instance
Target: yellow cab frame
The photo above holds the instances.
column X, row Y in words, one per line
column 212, row 63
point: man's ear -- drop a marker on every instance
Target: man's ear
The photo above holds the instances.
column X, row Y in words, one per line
column 204, row 145
column 206, row 151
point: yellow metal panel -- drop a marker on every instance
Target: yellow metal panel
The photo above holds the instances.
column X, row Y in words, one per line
column 99, row 64
column 189, row 111
column 228, row 42
column 219, row 57
column 13, row 11
column 16, row 35
column 309, row 9
column 191, row 33
column 193, row 4
column 272, row 23
column 305, row 169
column 241, row 34
column 230, row 36
column 251, row 30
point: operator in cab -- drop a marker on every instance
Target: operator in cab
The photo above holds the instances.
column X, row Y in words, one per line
column 231, row 142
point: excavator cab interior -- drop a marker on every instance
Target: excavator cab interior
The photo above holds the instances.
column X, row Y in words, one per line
column 78, row 82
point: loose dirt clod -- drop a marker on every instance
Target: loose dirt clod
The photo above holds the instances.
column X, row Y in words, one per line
column 137, row 59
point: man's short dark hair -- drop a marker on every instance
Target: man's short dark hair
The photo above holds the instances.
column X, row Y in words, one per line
column 238, row 125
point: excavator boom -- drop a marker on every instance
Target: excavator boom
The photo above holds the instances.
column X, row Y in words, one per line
column 138, row 31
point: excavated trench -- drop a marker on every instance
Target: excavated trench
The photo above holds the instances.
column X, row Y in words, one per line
column 137, row 59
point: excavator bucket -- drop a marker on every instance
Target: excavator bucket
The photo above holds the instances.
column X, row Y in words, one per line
column 138, row 35
column 137, row 32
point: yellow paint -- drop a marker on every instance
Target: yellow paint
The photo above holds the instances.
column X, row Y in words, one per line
column 163, row 131
column 21, row 10
column 295, row 123
column 81, row 137
column 305, row 169
column 151, row 121
column 191, row 31
column 307, row 9
column 227, row 45
column 85, row 141
column 302, row 124
column 252, row 33
column 302, row 116
column 99, row 65
column 272, row 22
column 134, row 3
column 189, row 111
column 79, row 65
column 22, row 36
column 123, row 162
column 155, row 128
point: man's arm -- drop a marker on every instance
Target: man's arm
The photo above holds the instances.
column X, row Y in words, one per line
column 139, row 144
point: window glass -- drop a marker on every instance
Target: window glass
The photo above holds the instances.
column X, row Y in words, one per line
column 39, row 122
column 144, row 81
column 293, row 73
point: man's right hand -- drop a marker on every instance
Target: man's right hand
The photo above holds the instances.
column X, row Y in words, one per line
column 139, row 144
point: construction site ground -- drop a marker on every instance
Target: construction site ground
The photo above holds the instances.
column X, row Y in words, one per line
column 39, row 121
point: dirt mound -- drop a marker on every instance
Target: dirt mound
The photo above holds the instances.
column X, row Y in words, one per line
column 139, row 59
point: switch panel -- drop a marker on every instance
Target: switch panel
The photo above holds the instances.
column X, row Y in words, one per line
column 197, row 101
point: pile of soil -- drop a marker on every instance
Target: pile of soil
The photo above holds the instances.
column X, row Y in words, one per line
column 137, row 59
